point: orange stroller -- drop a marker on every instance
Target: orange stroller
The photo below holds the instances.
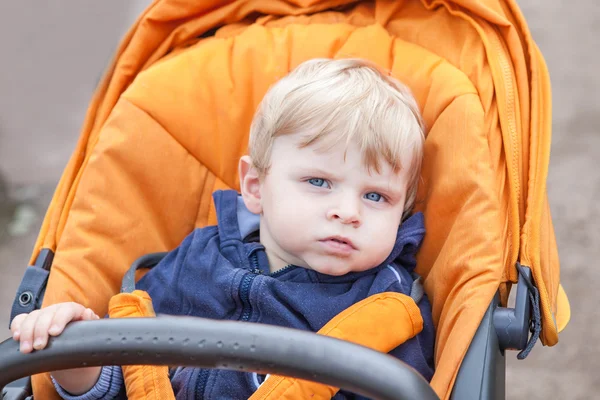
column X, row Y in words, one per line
column 170, row 120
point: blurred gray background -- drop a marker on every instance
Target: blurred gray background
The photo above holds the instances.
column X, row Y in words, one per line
column 53, row 54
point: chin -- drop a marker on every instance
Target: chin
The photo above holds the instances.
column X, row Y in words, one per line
column 333, row 270
column 335, row 266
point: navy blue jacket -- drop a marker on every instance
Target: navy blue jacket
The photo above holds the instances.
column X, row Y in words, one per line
column 220, row 272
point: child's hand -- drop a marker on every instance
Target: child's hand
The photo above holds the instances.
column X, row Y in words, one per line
column 32, row 329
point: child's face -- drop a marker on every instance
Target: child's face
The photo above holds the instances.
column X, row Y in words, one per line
column 325, row 211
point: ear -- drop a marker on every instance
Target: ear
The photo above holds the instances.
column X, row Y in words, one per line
column 250, row 185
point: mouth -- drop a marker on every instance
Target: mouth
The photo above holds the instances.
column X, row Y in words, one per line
column 338, row 244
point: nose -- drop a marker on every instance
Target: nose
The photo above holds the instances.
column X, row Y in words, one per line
column 346, row 212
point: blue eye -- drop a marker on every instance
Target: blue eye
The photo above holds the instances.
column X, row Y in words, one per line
column 373, row 196
column 319, row 182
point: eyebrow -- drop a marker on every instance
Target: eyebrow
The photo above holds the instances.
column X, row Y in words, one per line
column 317, row 172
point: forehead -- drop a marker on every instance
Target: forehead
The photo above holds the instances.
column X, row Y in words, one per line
column 336, row 158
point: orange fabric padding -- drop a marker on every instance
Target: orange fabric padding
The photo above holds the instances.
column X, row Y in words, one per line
column 141, row 381
column 171, row 118
column 360, row 324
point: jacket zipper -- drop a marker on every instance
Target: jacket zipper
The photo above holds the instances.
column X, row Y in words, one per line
column 281, row 271
column 245, row 286
column 244, row 291
column 201, row 385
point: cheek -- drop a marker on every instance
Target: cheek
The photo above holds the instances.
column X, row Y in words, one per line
column 287, row 213
column 382, row 235
column 285, row 199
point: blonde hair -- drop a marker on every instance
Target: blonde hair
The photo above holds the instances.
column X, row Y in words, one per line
column 347, row 100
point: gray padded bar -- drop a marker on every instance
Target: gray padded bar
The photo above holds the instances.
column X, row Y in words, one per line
column 242, row 346
column 482, row 372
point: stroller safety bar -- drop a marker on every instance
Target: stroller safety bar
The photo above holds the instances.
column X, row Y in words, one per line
column 242, row 346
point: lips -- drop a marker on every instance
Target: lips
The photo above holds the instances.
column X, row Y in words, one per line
column 342, row 240
column 338, row 245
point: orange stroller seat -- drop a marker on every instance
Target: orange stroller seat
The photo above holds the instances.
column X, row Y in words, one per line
column 171, row 118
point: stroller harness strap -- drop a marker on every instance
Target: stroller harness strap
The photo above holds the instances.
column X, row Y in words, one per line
column 361, row 324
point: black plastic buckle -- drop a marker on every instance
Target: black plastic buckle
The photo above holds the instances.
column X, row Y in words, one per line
column 514, row 324
column 33, row 285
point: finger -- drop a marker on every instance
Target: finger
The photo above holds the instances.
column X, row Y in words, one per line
column 42, row 325
column 27, row 327
column 15, row 326
column 65, row 313
column 87, row 315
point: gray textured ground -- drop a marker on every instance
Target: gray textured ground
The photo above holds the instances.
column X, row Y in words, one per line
column 53, row 55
